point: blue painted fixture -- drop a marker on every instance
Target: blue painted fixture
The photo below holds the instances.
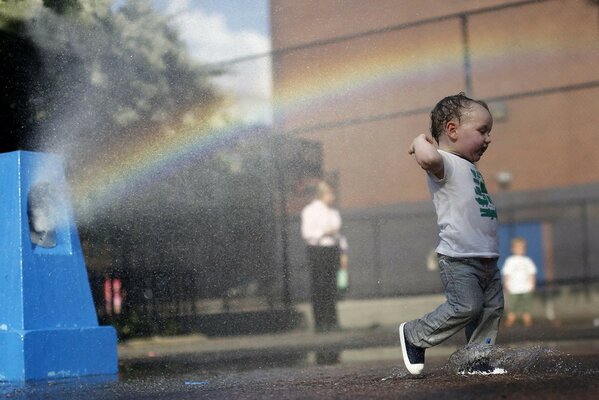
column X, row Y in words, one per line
column 48, row 323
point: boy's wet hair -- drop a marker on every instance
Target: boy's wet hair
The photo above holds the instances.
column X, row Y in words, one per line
column 448, row 109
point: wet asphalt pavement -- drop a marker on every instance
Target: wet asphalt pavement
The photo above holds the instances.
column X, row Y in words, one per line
column 553, row 368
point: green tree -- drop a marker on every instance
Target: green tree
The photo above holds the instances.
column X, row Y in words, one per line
column 20, row 64
column 97, row 76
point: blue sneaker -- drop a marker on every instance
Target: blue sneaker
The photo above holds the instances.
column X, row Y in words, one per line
column 413, row 357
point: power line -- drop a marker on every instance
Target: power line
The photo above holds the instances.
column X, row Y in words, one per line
column 357, row 121
column 462, row 16
column 378, row 31
column 423, row 110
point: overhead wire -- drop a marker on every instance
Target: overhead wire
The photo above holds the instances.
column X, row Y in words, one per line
column 462, row 16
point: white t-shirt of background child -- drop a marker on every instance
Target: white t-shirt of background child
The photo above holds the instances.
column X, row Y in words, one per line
column 466, row 215
column 519, row 269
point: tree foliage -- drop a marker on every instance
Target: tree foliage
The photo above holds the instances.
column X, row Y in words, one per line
column 90, row 81
column 82, row 76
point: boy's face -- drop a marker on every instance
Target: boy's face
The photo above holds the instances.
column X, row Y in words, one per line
column 472, row 132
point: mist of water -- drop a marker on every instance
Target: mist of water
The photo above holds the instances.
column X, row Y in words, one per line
column 113, row 81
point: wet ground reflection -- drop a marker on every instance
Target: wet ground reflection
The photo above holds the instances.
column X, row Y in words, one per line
column 532, row 372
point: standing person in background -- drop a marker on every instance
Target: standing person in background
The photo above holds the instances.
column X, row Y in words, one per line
column 519, row 280
column 320, row 225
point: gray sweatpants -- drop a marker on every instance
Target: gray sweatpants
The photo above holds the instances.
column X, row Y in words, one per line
column 474, row 301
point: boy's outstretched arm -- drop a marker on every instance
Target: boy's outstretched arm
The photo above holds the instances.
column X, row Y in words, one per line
column 427, row 156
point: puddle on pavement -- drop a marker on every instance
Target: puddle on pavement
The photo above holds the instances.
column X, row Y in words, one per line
column 491, row 360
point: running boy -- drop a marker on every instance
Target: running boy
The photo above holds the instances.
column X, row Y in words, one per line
column 467, row 219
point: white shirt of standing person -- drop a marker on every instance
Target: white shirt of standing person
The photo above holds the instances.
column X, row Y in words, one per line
column 321, row 225
column 520, row 272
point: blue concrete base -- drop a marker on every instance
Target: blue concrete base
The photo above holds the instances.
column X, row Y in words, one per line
column 42, row 354
column 48, row 323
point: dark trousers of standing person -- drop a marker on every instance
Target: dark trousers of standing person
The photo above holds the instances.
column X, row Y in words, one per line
column 324, row 264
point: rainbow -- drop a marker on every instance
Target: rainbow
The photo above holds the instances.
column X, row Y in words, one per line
column 147, row 162
column 161, row 155
column 317, row 87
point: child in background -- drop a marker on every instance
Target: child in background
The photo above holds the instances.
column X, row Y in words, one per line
column 467, row 220
column 519, row 280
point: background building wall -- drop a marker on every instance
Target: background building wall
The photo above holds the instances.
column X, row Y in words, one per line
column 366, row 96
column 361, row 77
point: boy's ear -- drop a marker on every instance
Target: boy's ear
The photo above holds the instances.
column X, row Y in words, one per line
column 451, row 130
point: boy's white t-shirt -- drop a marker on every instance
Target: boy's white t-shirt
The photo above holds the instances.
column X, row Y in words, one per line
column 519, row 269
column 466, row 215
